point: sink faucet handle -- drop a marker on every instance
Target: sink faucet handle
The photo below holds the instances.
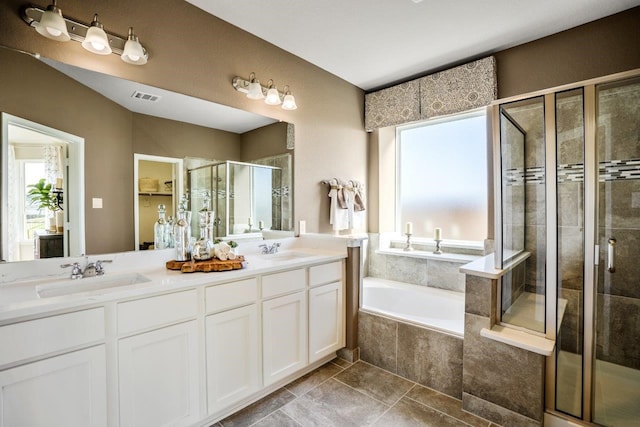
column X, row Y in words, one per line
column 76, row 271
column 100, row 267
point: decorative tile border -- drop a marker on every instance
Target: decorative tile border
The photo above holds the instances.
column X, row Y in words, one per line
column 611, row 170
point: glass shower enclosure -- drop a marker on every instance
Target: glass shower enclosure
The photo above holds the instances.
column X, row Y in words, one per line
column 245, row 197
column 568, row 208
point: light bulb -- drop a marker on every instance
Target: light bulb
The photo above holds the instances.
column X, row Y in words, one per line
column 289, row 102
column 255, row 90
column 96, row 40
column 273, row 97
column 52, row 24
column 133, row 52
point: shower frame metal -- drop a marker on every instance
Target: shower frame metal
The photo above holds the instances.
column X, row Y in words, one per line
column 591, row 249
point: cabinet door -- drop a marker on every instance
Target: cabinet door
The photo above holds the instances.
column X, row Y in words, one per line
column 158, row 374
column 68, row 390
column 284, row 336
column 326, row 325
column 233, row 356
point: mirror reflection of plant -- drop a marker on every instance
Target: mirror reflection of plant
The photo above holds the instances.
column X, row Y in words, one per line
column 41, row 196
column 231, row 243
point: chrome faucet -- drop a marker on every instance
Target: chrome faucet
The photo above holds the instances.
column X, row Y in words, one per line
column 92, row 269
column 269, row 249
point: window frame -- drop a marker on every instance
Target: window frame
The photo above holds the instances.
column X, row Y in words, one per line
column 477, row 112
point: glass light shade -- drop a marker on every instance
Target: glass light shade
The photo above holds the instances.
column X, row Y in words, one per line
column 289, row 102
column 255, row 90
column 133, row 52
column 273, row 97
column 52, row 25
column 96, row 40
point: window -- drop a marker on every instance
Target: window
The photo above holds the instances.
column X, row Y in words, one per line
column 442, row 177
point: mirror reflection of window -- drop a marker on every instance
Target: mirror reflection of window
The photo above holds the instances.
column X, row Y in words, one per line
column 32, row 231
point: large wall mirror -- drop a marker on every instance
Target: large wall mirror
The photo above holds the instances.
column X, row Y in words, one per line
column 116, row 119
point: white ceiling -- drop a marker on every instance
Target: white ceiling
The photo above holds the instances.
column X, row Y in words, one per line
column 171, row 105
column 373, row 43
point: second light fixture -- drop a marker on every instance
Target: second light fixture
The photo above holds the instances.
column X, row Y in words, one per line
column 271, row 95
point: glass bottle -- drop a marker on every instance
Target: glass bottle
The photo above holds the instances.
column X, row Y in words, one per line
column 181, row 236
column 203, row 248
column 160, row 229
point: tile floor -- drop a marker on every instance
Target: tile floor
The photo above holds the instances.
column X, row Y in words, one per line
column 343, row 394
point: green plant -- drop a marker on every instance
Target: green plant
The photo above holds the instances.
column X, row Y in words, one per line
column 40, row 195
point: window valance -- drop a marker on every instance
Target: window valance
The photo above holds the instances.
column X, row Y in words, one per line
column 450, row 91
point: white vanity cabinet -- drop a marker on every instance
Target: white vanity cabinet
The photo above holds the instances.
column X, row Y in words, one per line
column 284, row 324
column 158, row 368
column 58, row 371
column 326, row 310
column 232, row 343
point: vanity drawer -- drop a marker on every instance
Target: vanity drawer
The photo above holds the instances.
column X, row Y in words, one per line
column 282, row 283
column 326, row 273
column 230, row 295
column 156, row 311
column 50, row 334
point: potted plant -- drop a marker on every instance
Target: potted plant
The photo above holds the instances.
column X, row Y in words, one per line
column 41, row 196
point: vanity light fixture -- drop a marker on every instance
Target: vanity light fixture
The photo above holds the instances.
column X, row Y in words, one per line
column 254, row 90
column 133, row 51
column 289, row 102
column 273, row 97
column 96, row 40
column 51, row 23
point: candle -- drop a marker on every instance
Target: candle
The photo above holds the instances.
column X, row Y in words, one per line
column 260, row 225
column 250, row 222
column 409, row 228
column 58, row 183
column 438, row 234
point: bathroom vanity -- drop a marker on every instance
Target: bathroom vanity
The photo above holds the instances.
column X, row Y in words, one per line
column 153, row 347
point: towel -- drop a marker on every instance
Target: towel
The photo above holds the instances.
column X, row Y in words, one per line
column 338, row 216
column 347, row 204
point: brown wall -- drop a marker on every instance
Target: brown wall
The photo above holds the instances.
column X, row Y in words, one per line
column 264, row 142
column 34, row 91
column 194, row 53
column 599, row 48
column 162, row 137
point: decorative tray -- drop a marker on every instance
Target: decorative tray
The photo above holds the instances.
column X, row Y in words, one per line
column 206, row 266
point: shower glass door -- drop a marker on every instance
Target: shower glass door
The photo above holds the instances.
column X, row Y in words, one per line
column 617, row 301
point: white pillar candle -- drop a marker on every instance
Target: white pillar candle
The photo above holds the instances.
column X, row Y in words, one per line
column 58, row 183
column 409, row 228
column 438, row 234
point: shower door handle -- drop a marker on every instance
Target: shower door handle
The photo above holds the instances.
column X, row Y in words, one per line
column 611, row 258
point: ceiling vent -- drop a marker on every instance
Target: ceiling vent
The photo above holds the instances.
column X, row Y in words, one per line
column 145, row 96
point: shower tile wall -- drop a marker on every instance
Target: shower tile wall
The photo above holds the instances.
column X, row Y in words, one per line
column 570, row 199
column 281, row 197
column 531, row 119
column 618, row 138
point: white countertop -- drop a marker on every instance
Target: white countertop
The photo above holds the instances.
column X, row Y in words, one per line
column 20, row 281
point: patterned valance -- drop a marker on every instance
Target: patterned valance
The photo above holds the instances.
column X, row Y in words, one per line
column 454, row 90
column 392, row 106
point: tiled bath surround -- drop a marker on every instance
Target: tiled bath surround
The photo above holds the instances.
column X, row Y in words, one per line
column 417, row 271
column 502, row 383
column 423, row 355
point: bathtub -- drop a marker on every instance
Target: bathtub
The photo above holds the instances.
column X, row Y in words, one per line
column 434, row 308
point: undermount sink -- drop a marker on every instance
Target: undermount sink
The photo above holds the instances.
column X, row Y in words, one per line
column 287, row 256
column 90, row 286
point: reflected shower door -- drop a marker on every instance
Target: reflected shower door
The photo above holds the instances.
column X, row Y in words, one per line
column 617, row 350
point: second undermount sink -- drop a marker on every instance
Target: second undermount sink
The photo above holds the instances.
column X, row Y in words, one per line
column 89, row 286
